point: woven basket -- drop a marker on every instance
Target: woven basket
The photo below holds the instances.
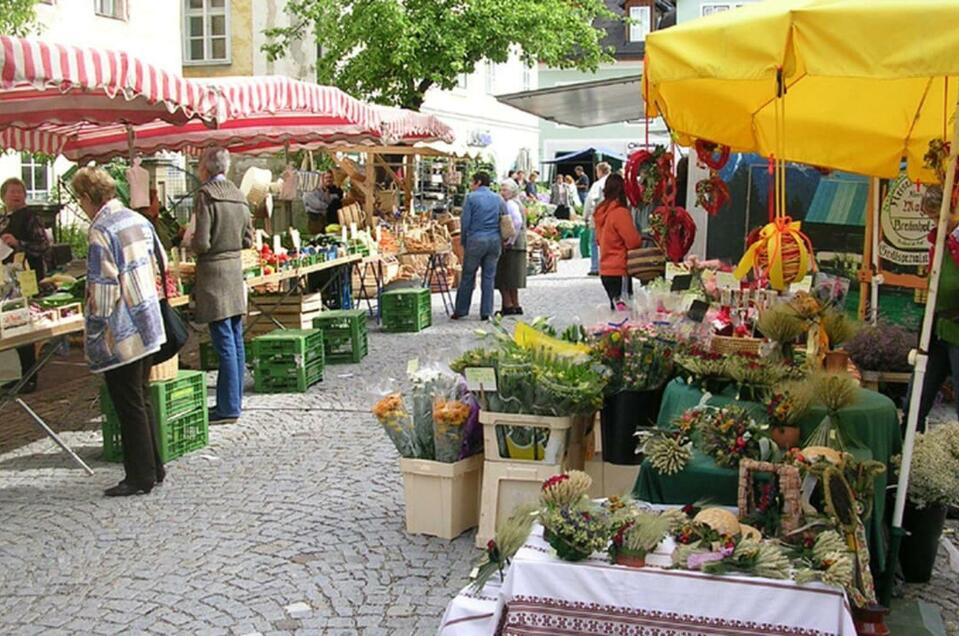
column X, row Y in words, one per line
column 729, row 346
column 646, row 263
column 165, row 370
column 790, row 257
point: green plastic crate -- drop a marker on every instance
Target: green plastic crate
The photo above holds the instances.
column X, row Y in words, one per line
column 407, row 323
column 178, row 435
column 404, row 300
column 278, row 378
column 184, row 394
column 299, row 347
column 345, row 337
column 210, row 361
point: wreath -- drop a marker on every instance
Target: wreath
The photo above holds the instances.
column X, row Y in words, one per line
column 645, row 172
column 673, row 230
column 712, row 194
column 706, row 153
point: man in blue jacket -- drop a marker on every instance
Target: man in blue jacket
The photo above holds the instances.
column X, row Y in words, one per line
column 480, row 236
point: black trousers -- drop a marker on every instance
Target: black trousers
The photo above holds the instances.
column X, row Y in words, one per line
column 614, row 288
column 129, row 389
column 28, row 358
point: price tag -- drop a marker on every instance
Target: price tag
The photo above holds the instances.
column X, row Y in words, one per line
column 295, row 237
column 697, row 311
column 805, row 285
column 353, row 230
column 276, row 244
column 726, row 280
column 412, row 366
column 27, row 280
column 259, row 240
column 681, row 282
column 480, row 378
column 343, row 233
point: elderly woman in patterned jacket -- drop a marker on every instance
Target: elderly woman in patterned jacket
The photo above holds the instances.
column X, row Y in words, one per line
column 124, row 327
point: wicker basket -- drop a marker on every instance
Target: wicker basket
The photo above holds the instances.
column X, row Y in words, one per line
column 727, row 345
column 165, row 370
column 646, row 263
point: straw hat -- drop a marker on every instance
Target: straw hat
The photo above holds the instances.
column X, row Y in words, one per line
column 812, row 453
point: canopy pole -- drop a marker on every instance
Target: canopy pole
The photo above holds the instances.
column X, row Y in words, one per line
column 919, row 375
column 131, row 143
column 874, row 212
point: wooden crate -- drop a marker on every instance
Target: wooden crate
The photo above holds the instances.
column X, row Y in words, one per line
column 165, row 370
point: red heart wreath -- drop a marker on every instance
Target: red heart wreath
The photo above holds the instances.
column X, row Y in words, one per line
column 712, row 194
column 706, row 153
column 644, row 173
column 674, row 231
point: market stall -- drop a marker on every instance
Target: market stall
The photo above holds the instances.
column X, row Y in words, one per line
column 49, row 91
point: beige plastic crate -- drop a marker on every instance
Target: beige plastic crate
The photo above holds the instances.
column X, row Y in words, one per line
column 508, row 485
column 552, row 452
column 442, row 500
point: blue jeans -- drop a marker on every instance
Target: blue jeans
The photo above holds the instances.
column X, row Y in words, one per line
column 593, row 252
column 477, row 252
column 227, row 338
column 943, row 362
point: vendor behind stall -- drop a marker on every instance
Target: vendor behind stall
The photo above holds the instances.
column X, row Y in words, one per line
column 323, row 204
column 23, row 232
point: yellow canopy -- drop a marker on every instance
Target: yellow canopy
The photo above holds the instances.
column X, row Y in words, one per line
column 868, row 82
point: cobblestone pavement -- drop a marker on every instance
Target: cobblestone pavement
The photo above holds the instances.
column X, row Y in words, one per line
column 299, row 503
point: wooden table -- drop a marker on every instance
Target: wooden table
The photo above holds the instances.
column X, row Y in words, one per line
column 58, row 332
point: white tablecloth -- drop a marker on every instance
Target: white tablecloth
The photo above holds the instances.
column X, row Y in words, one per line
column 542, row 595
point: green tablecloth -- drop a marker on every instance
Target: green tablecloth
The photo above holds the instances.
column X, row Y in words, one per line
column 872, row 419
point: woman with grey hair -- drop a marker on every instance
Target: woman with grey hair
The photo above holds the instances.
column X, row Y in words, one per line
column 223, row 228
column 511, row 269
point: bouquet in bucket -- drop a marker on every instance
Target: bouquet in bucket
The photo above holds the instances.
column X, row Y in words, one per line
column 394, row 417
column 727, row 434
column 638, row 357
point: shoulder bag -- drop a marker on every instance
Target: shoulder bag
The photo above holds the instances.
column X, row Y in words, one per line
column 173, row 325
column 507, row 230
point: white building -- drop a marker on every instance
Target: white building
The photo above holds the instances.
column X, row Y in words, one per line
column 509, row 136
column 150, row 29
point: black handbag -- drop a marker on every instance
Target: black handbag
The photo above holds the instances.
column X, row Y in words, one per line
column 173, row 325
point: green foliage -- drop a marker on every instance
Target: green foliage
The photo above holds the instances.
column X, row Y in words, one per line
column 393, row 51
column 17, row 17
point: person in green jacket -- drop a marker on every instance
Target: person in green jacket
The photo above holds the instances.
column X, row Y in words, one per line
column 944, row 344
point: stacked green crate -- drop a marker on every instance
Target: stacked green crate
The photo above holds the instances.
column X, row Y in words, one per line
column 344, row 335
column 179, row 409
column 407, row 310
column 287, row 360
column 210, row 361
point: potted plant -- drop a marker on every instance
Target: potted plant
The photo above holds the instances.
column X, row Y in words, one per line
column 839, row 328
column 783, row 326
column 784, row 407
column 639, row 536
column 933, row 487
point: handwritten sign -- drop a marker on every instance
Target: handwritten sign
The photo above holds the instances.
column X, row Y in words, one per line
column 480, row 378
column 27, row 280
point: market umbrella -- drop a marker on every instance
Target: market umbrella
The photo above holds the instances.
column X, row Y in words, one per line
column 45, row 86
column 856, row 85
column 261, row 114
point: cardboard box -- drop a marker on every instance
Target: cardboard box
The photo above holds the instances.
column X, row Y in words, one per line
column 442, row 500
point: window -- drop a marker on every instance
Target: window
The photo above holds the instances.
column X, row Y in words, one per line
column 462, row 81
column 527, row 77
column 490, row 77
column 207, row 32
column 111, row 8
column 640, row 21
column 709, row 8
column 36, row 174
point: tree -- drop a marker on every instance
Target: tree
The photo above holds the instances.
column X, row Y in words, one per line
column 17, row 17
column 393, row 51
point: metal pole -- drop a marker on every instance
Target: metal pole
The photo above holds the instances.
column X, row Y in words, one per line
column 919, row 374
column 54, row 436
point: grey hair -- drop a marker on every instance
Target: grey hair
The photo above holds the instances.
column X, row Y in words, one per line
column 603, row 167
column 508, row 185
column 215, row 160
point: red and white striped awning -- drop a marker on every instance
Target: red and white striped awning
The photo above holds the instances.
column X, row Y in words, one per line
column 43, row 85
column 265, row 110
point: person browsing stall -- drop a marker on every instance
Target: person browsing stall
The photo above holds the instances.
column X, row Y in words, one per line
column 511, row 268
column 123, row 323
column 593, row 199
column 480, row 236
column 224, row 227
column 617, row 235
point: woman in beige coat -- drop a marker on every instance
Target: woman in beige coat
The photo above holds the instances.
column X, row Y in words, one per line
column 224, row 227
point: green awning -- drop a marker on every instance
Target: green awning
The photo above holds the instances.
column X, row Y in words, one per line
column 840, row 199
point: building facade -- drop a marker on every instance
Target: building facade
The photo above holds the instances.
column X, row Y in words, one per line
column 628, row 44
column 507, row 137
column 224, row 38
column 149, row 28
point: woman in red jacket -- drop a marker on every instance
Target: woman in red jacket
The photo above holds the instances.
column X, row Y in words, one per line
column 617, row 235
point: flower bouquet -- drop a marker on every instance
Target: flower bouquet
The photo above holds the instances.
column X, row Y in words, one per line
column 668, row 452
column 395, row 419
column 449, row 419
column 784, row 408
column 565, row 490
column 703, row 367
column 576, row 531
column 728, row 434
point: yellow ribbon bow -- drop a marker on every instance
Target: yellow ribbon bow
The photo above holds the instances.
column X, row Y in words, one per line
column 771, row 237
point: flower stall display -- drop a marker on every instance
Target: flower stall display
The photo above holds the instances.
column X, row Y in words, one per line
column 727, row 434
column 834, row 391
column 784, row 407
column 640, row 533
column 576, row 531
